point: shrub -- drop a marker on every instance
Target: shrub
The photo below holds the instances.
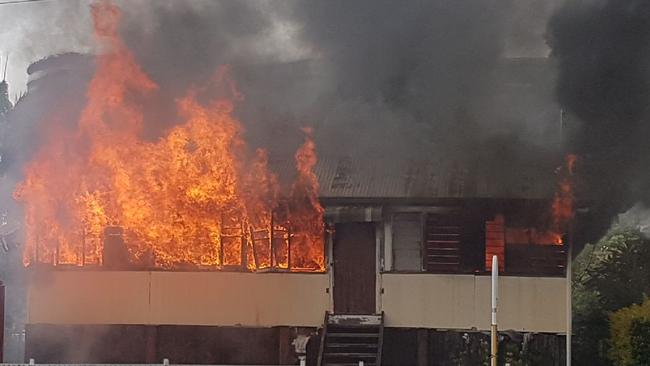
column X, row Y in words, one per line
column 630, row 335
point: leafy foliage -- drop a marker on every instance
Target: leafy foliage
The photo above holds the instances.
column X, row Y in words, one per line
column 630, row 335
column 640, row 339
column 610, row 275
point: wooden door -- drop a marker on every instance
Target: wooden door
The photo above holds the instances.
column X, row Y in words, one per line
column 354, row 268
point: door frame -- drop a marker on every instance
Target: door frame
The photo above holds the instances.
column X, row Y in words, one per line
column 379, row 288
column 379, row 239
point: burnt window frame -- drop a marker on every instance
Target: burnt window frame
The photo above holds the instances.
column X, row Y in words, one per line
column 469, row 264
column 148, row 265
column 393, row 253
column 469, row 230
column 473, row 251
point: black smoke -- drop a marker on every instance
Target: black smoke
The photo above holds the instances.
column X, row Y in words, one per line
column 603, row 52
column 391, row 80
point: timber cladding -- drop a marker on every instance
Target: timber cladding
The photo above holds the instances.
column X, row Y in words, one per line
column 430, row 347
column 271, row 346
column 151, row 344
column 530, row 304
column 265, row 300
column 183, row 298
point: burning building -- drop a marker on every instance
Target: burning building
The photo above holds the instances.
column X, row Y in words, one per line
column 191, row 247
column 413, row 244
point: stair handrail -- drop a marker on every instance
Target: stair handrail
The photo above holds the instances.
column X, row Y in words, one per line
column 322, row 338
column 380, row 345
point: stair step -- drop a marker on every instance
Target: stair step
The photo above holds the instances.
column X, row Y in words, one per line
column 355, row 320
column 352, row 345
column 360, row 328
column 351, row 354
column 348, row 339
column 353, row 335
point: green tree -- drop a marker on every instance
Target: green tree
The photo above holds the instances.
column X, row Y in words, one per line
column 630, row 335
column 640, row 340
column 610, row 275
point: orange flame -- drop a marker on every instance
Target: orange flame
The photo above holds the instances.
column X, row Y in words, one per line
column 306, row 211
column 563, row 203
column 195, row 197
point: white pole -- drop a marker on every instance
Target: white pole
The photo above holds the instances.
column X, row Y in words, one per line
column 495, row 295
column 569, row 310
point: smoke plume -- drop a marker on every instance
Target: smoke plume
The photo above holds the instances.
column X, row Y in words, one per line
column 363, row 73
column 388, row 81
column 370, row 71
column 603, row 52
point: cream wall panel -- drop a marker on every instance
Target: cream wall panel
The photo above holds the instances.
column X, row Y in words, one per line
column 463, row 302
column 88, row 297
column 411, row 300
column 192, row 298
column 246, row 299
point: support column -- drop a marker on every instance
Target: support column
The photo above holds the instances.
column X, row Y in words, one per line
column 285, row 351
column 151, row 344
column 423, row 347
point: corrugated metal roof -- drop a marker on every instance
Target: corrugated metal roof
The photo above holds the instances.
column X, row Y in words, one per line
column 350, row 177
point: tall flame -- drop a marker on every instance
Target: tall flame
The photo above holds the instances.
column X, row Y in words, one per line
column 563, row 203
column 307, row 213
column 196, row 196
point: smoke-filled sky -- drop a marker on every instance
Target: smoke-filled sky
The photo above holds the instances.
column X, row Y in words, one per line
column 603, row 54
column 32, row 31
column 263, row 30
column 365, row 71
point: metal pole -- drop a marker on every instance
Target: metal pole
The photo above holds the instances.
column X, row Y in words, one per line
column 493, row 328
column 569, row 312
column 272, row 246
column 83, row 247
column 2, row 320
column 289, row 245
